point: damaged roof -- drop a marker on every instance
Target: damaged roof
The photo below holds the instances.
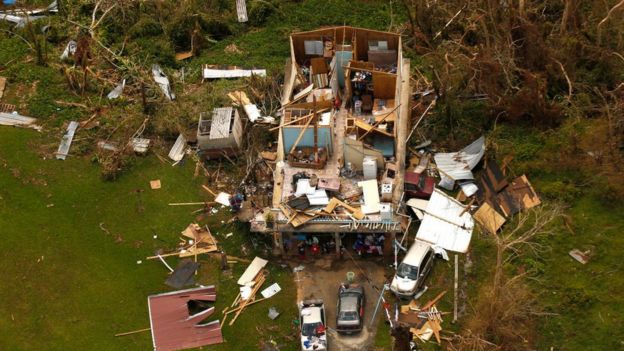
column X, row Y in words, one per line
column 447, row 223
column 459, row 165
column 175, row 328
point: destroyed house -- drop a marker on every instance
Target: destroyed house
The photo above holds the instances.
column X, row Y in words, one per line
column 219, row 132
column 341, row 143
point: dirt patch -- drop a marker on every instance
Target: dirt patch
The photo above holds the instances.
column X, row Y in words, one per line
column 321, row 278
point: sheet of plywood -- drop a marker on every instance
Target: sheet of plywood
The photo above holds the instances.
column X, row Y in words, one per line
column 384, row 85
column 489, row 218
column 252, row 270
column 2, row 86
column 370, row 189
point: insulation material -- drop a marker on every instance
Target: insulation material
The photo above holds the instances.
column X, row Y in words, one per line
column 63, row 149
column 371, row 196
column 459, row 165
column 252, row 270
column 446, row 223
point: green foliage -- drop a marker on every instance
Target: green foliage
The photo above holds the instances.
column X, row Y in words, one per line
column 157, row 50
column 260, row 12
column 560, row 190
column 146, row 26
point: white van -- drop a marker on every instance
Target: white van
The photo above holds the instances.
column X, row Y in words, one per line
column 412, row 271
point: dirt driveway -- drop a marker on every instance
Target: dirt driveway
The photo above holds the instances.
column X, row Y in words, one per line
column 321, row 278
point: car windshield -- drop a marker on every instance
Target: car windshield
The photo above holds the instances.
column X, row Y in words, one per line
column 407, row 271
column 348, row 316
column 309, row 328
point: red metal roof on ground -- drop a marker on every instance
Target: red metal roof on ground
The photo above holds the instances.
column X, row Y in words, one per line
column 172, row 329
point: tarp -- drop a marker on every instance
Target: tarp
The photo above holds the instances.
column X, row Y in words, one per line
column 446, row 223
column 459, row 165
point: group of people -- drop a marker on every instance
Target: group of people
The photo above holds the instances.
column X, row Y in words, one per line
column 371, row 244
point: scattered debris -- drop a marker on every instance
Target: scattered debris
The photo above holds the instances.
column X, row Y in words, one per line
column 273, row 314
column 155, row 184
column 215, row 72
column 456, row 166
column 163, row 82
column 178, row 149
column 175, row 319
column 63, row 149
column 17, row 120
column 271, row 290
column 70, row 50
column 183, row 275
column 582, row 257
column 117, row 91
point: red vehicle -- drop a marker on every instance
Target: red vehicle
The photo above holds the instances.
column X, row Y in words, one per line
column 418, row 185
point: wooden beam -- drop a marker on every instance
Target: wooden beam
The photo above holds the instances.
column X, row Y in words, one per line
column 134, row 332
column 297, row 120
column 292, row 149
column 379, row 122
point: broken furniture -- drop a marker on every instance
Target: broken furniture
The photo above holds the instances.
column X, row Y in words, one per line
column 176, row 319
column 220, row 132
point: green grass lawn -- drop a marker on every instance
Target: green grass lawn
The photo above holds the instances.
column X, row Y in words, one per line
column 67, row 285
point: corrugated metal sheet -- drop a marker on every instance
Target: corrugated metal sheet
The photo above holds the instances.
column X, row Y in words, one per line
column 13, row 119
column 459, row 165
column 446, row 223
column 220, row 125
column 172, row 325
column 241, row 10
column 63, row 149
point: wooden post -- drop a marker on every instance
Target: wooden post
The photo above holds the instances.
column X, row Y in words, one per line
column 278, row 244
column 455, row 291
column 338, row 243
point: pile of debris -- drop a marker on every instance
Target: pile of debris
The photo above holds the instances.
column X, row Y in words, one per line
column 424, row 321
column 250, row 284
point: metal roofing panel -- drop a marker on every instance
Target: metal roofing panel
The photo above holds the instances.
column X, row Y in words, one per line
column 447, row 223
column 220, row 125
column 458, row 165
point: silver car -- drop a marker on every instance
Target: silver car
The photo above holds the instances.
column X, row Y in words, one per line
column 350, row 310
